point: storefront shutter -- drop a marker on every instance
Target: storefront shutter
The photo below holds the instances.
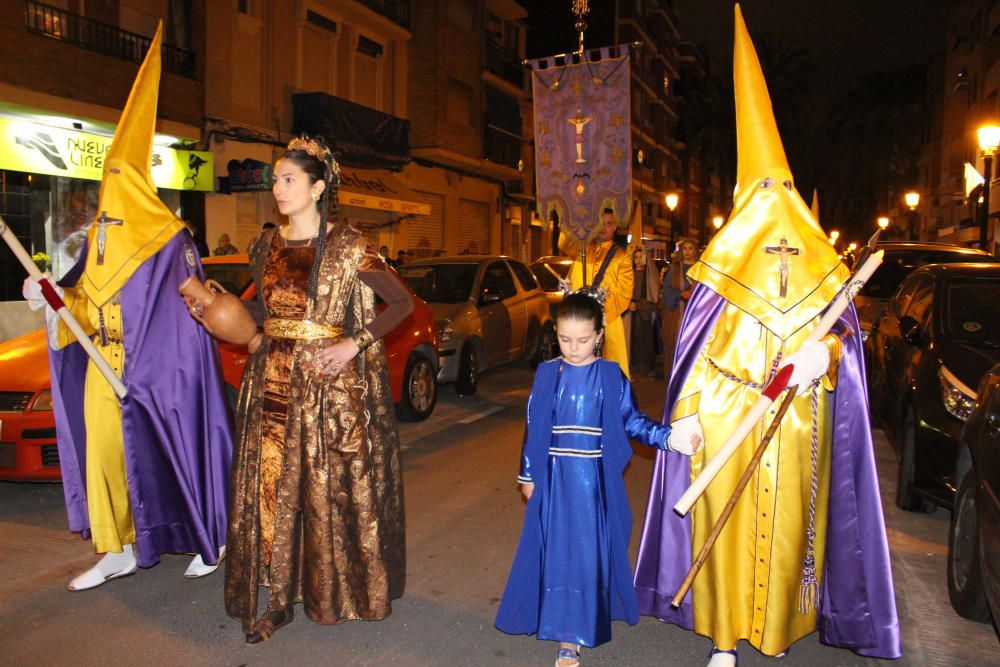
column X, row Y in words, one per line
column 473, row 227
column 425, row 233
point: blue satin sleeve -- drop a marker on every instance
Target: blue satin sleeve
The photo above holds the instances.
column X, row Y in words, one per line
column 637, row 425
column 524, row 473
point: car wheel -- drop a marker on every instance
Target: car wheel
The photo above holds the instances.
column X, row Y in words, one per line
column 468, row 372
column 965, row 583
column 906, row 496
column 419, row 390
column 547, row 346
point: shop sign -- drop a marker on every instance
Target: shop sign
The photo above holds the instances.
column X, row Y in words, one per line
column 249, row 175
column 40, row 149
column 379, row 191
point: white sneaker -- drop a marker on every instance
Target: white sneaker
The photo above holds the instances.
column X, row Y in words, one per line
column 722, row 658
column 198, row 569
column 111, row 566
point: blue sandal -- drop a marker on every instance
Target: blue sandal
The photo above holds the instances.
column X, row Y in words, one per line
column 568, row 653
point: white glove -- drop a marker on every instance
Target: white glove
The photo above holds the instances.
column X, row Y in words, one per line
column 31, row 290
column 685, row 435
column 810, row 363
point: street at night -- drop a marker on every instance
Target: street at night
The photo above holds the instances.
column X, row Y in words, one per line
column 499, row 332
column 463, row 515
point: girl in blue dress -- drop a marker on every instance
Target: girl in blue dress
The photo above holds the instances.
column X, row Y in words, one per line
column 571, row 575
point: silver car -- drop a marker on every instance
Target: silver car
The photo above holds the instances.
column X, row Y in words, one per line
column 489, row 310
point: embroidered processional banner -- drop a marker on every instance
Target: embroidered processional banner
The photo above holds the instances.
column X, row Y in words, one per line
column 582, row 137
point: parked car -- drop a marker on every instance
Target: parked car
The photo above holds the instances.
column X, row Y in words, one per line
column 27, row 425
column 550, row 271
column 935, row 341
column 899, row 260
column 974, row 538
column 490, row 310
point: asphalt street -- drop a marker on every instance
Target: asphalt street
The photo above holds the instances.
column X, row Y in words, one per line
column 463, row 519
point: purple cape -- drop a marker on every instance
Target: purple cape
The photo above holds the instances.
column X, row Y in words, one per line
column 858, row 606
column 175, row 420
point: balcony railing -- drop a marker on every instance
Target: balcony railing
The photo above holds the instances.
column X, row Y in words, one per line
column 397, row 11
column 502, row 147
column 102, row 38
column 504, row 64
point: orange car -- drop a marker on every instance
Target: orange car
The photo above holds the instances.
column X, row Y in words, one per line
column 27, row 425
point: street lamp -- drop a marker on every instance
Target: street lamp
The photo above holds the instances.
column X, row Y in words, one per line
column 989, row 140
column 912, row 199
column 717, row 222
column 883, row 223
column 672, row 200
column 834, row 235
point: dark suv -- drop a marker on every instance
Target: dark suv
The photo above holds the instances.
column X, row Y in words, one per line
column 900, row 259
column 939, row 335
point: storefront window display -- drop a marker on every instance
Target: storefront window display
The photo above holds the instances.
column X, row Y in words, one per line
column 50, row 215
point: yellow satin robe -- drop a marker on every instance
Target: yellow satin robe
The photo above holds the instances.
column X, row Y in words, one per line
column 108, row 505
column 749, row 586
column 618, row 283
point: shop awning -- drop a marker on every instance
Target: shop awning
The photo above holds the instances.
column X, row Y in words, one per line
column 378, row 189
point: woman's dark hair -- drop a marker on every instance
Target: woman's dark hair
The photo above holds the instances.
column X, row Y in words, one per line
column 582, row 306
column 318, row 167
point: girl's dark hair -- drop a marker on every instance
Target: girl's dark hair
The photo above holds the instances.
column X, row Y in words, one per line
column 324, row 168
column 582, row 306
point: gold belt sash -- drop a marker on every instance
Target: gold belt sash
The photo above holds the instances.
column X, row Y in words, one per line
column 277, row 327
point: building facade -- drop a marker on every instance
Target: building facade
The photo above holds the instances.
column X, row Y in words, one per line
column 657, row 167
column 336, row 67
column 469, row 116
column 963, row 94
column 424, row 106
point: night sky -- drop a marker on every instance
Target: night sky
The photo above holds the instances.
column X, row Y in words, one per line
column 848, row 38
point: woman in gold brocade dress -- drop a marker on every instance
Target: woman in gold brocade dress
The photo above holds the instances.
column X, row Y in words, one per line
column 317, row 507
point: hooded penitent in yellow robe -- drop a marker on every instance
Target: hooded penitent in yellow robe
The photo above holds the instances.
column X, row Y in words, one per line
column 133, row 227
column 617, row 281
column 774, row 268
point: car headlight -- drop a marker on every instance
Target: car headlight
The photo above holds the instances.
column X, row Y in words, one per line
column 444, row 331
column 43, row 402
column 958, row 399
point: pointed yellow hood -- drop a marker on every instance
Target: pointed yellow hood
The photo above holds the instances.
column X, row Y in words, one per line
column 770, row 224
column 128, row 194
column 759, row 147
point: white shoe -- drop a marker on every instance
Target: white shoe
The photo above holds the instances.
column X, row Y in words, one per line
column 722, row 658
column 112, row 566
column 198, row 569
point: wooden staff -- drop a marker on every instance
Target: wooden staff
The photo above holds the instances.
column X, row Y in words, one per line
column 728, row 510
column 57, row 304
column 774, row 388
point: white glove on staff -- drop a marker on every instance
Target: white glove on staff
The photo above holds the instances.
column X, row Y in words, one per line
column 31, row 290
column 686, row 436
column 810, row 362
